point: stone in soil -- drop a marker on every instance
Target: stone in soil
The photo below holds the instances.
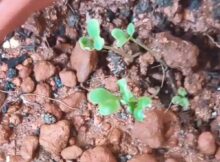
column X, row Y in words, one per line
column 5, row 134
column 170, row 160
column 74, row 100
column 71, row 152
column 158, row 127
column 2, row 157
column 206, row 143
column 145, row 60
column 49, row 118
column 98, row 154
column 12, row 73
column 44, row 90
column 144, row 158
column 43, row 70
column 194, row 4
column 27, row 85
column 216, row 12
column 24, row 71
column 29, row 147
column 153, row 124
column 143, row 6
column 2, row 98
column 54, row 138
column 4, row 108
column 111, row 83
column 9, row 86
column 116, row 64
column 73, row 19
column 17, row 158
column 177, row 53
column 68, row 78
column 15, row 119
column 115, row 136
column 83, row 62
column 164, row 3
column 13, row 62
column 217, row 154
column 53, row 109
column 58, row 82
column 194, row 83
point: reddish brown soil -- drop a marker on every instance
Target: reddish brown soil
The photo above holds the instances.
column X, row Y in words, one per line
column 45, row 114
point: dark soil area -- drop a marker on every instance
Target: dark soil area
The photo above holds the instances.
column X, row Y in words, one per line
column 45, row 78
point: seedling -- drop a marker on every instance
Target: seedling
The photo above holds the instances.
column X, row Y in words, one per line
column 109, row 103
column 93, row 41
column 181, row 99
column 121, row 36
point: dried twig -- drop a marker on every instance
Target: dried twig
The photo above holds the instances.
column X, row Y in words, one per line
column 38, row 95
column 163, row 65
column 212, row 40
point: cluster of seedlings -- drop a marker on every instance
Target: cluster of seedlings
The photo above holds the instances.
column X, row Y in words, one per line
column 109, row 103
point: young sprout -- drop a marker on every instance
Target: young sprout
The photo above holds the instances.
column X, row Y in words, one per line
column 135, row 105
column 181, row 99
column 121, row 36
column 93, row 41
column 109, row 104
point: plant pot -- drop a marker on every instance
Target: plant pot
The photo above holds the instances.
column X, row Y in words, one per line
column 14, row 13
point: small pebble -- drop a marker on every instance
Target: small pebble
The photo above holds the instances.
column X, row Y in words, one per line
column 12, row 73
column 116, row 64
column 11, row 43
column 9, row 86
column 15, row 119
column 143, row 6
column 110, row 15
column 216, row 12
column 124, row 158
column 37, row 132
column 58, row 82
column 60, row 31
column 72, row 141
column 17, row 82
column 164, row 3
column 24, row 33
column 123, row 115
column 5, row 108
column 49, row 118
column 73, row 19
column 106, row 126
column 126, row 13
column 194, row 4
column 13, row 62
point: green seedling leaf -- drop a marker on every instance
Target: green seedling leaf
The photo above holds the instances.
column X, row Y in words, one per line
column 131, row 104
column 106, row 101
column 182, row 92
column 86, row 43
column 93, row 28
column 181, row 101
column 185, row 103
column 109, row 107
column 126, row 94
column 139, row 114
column 99, row 43
column 131, row 29
column 143, row 102
column 120, row 36
column 176, row 100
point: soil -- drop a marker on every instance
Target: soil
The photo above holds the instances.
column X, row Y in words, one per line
column 45, row 78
